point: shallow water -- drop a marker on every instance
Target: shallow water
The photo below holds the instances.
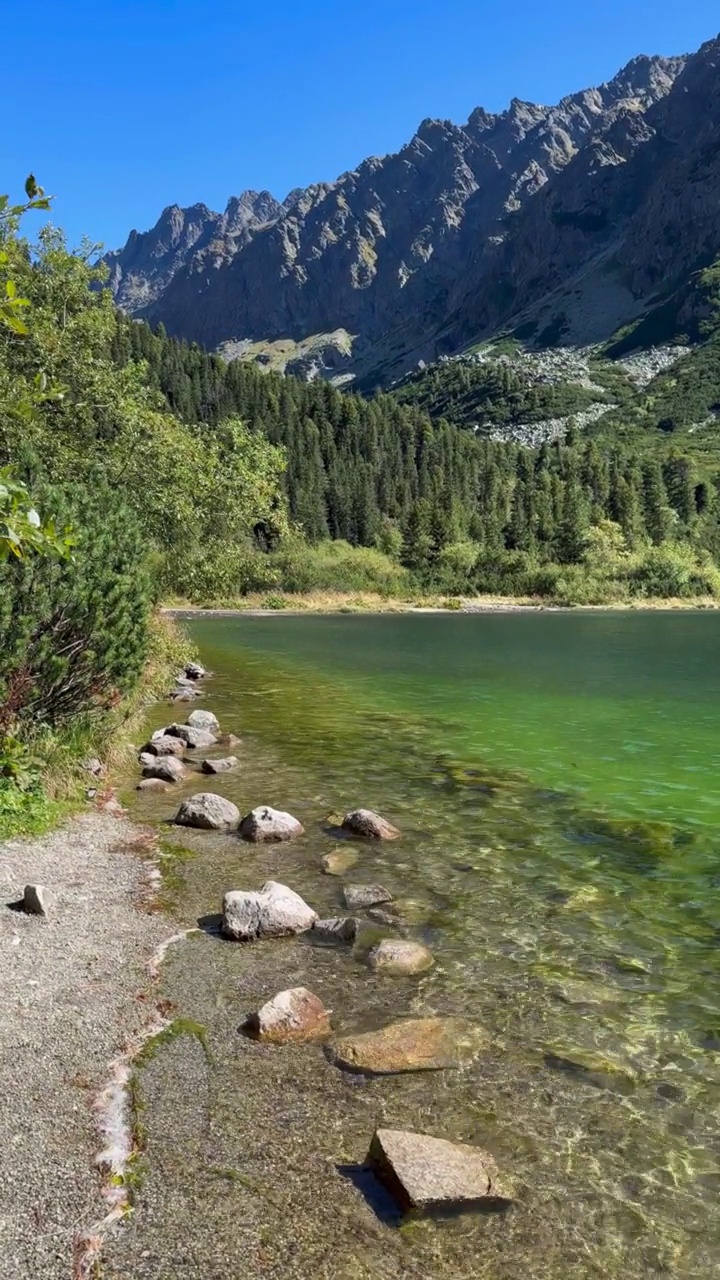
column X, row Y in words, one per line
column 554, row 777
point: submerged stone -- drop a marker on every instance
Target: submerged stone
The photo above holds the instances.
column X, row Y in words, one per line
column 295, row 1016
column 426, row 1175
column 339, row 861
column 357, row 896
column 369, row 825
column 393, row 956
column 414, row 1044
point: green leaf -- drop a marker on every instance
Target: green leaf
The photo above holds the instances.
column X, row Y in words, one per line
column 31, row 187
column 10, row 288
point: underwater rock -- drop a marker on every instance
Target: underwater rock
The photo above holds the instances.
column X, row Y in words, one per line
column 265, row 824
column 414, row 1044
column 339, row 929
column 193, row 738
column 379, row 916
column 184, row 695
column 295, row 1016
column 274, row 912
column 36, row 900
column 357, row 896
column 582, row 991
column 165, row 745
column 167, row 768
column 432, row 1175
column 207, row 811
column 339, row 861
column 220, row 766
column 204, row 720
column 592, row 1066
column 391, row 956
column 369, row 825
column 152, row 784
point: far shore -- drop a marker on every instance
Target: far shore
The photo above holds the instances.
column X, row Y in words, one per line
column 340, row 603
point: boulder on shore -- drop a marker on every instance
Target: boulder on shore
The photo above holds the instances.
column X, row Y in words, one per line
column 274, row 912
column 414, row 1044
column 265, row 825
column 167, row 768
column 340, row 929
column 369, row 825
column 207, row 811
column 293, row 1016
column 204, row 720
column 393, row 956
column 358, row 896
column 434, row 1176
column 193, row 738
column 165, row 745
column 220, row 766
column 36, row 900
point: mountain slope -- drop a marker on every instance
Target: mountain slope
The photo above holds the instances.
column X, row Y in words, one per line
column 386, row 253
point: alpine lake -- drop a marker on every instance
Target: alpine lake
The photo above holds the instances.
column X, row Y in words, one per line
column 556, row 780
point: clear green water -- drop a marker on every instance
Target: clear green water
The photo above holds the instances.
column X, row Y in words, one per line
column 555, row 780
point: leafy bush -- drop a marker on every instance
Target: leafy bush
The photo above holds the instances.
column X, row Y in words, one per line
column 74, row 633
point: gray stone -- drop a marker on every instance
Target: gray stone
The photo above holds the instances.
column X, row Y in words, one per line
column 394, row 956
column 274, row 912
column 95, row 766
column 294, row 1016
column 428, row 1175
column 37, row 900
column 220, row 766
column 152, row 784
column 184, row 695
column 167, row 768
column 369, row 825
column 166, row 744
column 204, row 720
column 339, row 929
column 265, row 825
column 147, row 758
column 208, row 811
column 358, row 896
column 195, row 671
column 193, row 738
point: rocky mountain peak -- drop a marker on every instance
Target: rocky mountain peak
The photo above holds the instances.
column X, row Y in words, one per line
column 392, row 250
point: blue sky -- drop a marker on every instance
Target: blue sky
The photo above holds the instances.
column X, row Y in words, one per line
column 124, row 106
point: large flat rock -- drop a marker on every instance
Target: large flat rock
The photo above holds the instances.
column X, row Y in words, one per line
column 413, row 1044
column 428, row 1175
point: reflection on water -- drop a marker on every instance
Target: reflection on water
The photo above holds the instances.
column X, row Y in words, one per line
column 554, row 780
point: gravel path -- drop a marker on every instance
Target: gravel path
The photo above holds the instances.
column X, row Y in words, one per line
column 68, row 988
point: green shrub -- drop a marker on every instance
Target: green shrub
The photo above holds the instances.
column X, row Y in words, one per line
column 74, row 633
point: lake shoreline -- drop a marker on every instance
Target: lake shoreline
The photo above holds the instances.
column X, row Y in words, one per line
column 478, row 605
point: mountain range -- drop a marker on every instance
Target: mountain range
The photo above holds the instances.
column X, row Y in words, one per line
column 560, row 224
